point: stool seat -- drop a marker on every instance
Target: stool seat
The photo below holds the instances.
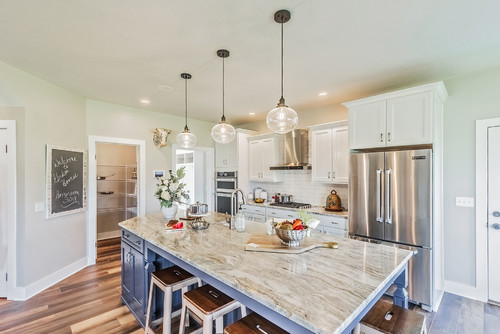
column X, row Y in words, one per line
column 171, row 275
column 208, row 304
column 168, row 280
column 253, row 323
column 385, row 317
column 208, row 299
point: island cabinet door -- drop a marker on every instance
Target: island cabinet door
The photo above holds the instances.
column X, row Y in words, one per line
column 133, row 281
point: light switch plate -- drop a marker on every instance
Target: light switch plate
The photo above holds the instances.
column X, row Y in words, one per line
column 39, row 206
column 465, row 201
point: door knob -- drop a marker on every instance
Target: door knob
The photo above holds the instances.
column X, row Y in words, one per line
column 496, row 214
column 496, row 226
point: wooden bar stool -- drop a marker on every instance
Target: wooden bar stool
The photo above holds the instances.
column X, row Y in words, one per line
column 168, row 280
column 208, row 304
column 253, row 324
column 388, row 318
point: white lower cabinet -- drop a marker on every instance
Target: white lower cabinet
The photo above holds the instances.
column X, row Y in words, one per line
column 254, row 213
column 334, row 225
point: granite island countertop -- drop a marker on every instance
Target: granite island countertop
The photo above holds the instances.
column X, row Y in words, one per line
column 323, row 290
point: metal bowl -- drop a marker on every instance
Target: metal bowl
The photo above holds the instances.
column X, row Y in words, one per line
column 290, row 238
column 199, row 225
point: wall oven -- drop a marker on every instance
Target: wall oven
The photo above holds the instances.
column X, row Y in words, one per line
column 225, row 183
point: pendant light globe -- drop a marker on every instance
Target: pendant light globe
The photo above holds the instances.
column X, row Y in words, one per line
column 186, row 139
column 282, row 119
column 223, row 133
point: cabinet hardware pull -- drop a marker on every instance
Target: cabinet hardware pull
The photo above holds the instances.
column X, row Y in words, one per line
column 381, row 137
column 333, row 175
column 177, row 273
column 213, row 294
column 388, row 136
column 328, row 174
column 138, row 242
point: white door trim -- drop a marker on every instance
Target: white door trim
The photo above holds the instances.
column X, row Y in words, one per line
column 92, row 187
column 13, row 293
column 482, row 206
column 209, row 170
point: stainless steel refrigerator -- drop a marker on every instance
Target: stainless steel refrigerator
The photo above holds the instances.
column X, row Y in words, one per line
column 390, row 202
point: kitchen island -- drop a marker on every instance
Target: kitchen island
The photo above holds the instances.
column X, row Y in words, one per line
column 319, row 291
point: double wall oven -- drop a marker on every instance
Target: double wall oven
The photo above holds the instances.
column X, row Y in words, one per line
column 225, row 183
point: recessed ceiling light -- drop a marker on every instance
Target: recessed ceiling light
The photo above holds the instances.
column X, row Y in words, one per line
column 251, row 113
column 145, row 101
column 165, row 88
column 323, row 94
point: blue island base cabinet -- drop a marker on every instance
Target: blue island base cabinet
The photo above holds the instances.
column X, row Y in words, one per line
column 134, row 275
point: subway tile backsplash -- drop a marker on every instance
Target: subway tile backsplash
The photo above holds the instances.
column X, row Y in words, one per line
column 298, row 184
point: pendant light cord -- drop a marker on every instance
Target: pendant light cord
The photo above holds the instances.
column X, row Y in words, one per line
column 186, row 100
column 223, row 89
column 282, row 60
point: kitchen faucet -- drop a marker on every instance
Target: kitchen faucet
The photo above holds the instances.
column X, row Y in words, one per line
column 232, row 202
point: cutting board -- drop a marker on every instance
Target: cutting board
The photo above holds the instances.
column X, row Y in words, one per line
column 272, row 244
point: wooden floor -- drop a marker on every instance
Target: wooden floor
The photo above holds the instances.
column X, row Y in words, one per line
column 89, row 302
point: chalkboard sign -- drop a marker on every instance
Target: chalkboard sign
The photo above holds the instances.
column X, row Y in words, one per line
column 66, row 178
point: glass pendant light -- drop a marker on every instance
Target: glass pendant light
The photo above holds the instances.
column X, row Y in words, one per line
column 223, row 132
column 186, row 139
column 282, row 119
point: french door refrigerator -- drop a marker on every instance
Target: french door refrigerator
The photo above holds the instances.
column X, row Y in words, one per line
column 390, row 202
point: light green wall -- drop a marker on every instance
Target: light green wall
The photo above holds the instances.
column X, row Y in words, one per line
column 472, row 97
column 111, row 120
column 51, row 116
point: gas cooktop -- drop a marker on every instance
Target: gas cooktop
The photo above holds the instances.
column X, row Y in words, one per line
column 292, row 205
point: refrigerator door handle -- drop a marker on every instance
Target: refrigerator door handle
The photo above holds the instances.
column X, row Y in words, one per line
column 379, row 196
column 388, row 204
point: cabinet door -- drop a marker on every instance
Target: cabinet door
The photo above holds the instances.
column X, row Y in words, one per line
column 268, row 156
column 254, row 160
column 321, row 155
column 409, row 120
column 367, row 125
column 341, row 155
column 232, row 154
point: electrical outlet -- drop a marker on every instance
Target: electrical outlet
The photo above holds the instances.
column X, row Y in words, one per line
column 39, row 206
column 465, row 201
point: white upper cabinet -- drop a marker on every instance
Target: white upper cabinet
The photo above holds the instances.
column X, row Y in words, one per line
column 330, row 152
column 262, row 154
column 399, row 118
column 226, row 156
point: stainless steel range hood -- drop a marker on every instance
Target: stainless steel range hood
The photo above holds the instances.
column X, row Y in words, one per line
column 294, row 152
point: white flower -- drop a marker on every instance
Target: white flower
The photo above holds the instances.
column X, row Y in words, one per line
column 164, row 181
column 165, row 195
column 163, row 188
column 174, row 186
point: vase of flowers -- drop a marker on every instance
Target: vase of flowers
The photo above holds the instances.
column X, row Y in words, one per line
column 170, row 191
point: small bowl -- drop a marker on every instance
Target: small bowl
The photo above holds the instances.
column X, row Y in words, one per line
column 200, row 225
column 290, row 238
column 259, row 200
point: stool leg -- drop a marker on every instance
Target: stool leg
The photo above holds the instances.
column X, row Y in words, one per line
column 219, row 325
column 150, row 302
column 167, row 311
column 184, row 290
column 243, row 311
column 182, row 329
column 208, row 324
column 357, row 329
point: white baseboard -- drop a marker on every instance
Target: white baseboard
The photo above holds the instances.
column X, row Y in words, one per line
column 48, row 281
column 110, row 234
column 463, row 290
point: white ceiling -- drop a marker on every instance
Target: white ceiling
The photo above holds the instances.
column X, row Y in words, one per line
column 120, row 51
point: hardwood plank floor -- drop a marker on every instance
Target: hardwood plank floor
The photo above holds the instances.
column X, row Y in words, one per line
column 89, row 302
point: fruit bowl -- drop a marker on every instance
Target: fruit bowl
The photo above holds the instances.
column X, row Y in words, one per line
column 290, row 238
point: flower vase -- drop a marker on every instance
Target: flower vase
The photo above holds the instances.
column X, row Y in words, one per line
column 169, row 212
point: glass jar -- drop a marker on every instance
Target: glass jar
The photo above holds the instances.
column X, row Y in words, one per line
column 240, row 222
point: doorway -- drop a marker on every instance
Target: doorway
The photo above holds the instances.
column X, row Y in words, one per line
column 117, row 187
column 488, row 209
column 8, row 206
column 199, row 179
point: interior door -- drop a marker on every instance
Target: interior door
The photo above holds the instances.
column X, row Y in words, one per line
column 408, row 210
column 3, row 213
column 366, row 190
column 494, row 213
